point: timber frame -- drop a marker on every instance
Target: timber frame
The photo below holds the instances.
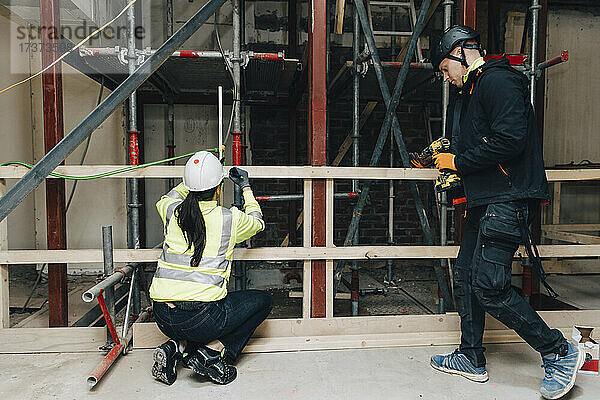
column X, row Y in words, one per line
column 305, row 333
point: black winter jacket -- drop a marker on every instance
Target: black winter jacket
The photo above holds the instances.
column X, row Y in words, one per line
column 495, row 140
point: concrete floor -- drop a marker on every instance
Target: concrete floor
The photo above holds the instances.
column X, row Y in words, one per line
column 393, row 373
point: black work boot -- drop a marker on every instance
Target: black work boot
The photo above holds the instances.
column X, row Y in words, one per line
column 166, row 357
column 215, row 367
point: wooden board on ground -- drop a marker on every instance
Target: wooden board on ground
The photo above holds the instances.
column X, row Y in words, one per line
column 19, row 301
column 77, row 308
column 357, row 332
column 51, row 340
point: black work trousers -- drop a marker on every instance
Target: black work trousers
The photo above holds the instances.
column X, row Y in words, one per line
column 482, row 280
column 231, row 320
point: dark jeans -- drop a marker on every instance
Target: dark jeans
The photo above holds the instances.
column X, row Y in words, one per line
column 482, row 280
column 231, row 320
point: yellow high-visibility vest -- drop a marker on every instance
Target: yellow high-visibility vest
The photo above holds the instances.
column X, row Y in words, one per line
column 175, row 279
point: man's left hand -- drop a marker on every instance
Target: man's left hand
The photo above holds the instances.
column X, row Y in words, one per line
column 444, row 161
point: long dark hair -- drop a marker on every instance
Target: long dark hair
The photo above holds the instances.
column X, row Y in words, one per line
column 191, row 221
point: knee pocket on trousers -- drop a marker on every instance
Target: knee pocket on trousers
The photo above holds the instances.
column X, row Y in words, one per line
column 493, row 274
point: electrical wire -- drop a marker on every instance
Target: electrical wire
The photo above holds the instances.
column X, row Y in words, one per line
column 235, row 88
column 78, row 45
column 109, row 173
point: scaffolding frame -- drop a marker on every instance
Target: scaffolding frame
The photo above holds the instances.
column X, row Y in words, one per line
column 318, row 256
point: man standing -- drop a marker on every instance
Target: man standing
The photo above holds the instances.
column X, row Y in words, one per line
column 496, row 151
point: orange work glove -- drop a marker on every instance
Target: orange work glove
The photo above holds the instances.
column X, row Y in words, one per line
column 444, row 161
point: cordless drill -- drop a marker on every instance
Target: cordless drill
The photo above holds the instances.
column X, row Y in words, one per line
column 447, row 180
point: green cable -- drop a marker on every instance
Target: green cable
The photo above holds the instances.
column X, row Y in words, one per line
column 105, row 174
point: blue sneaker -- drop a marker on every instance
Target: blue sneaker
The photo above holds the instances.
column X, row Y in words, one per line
column 457, row 363
column 561, row 372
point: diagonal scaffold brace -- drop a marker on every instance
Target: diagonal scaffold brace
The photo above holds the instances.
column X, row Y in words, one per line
column 54, row 157
column 391, row 102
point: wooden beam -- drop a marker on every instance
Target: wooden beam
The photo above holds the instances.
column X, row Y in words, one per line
column 565, row 267
column 51, row 340
column 290, row 172
column 340, row 6
column 281, row 254
column 573, row 227
column 375, row 331
column 570, row 237
column 4, row 298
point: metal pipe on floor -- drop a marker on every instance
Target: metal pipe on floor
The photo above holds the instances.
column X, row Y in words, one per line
column 15, row 195
column 104, row 365
column 120, row 348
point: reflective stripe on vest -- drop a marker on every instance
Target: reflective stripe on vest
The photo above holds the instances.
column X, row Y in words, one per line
column 189, row 276
column 218, row 262
column 171, row 208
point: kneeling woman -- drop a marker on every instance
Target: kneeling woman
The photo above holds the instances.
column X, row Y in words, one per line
column 207, row 327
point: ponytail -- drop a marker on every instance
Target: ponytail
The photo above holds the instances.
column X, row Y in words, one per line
column 191, row 221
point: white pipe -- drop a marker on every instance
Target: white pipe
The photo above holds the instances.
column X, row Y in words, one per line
column 220, row 90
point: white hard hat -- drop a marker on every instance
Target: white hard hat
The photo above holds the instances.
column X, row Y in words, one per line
column 202, row 172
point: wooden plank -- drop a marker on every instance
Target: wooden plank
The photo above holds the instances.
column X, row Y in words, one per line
column 292, row 172
column 340, row 6
column 51, row 340
column 556, row 203
column 35, row 302
column 4, row 298
column 329, row 213
column 573, row 227
column 329, row 289
column 565, row 267
column 570, row 237
column 307, row 228
column 306, row 288
column 282, row 254
column 409, row 329
column 306, row 237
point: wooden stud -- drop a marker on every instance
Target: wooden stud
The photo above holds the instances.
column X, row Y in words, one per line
column 306, row 289
column 4, row 299
column 340, row 6
column 329, row 289
column 329, row 212
column 556, row 203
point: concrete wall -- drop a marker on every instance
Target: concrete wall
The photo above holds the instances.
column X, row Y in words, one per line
column 15, row 131
column 573, row 89
column 23, row 139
